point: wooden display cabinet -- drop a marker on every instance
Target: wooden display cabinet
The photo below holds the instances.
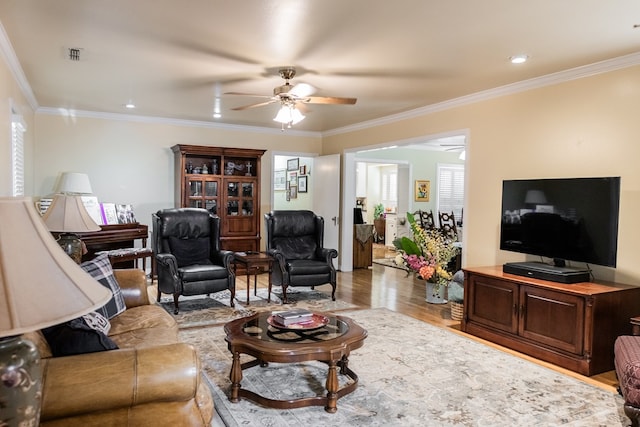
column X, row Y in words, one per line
column 571, row 325
column 226, row 182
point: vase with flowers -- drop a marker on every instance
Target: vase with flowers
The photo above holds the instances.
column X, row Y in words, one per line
column 428, row 255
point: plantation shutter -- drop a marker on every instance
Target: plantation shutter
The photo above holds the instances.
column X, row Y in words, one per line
column 451, row 189
column 17, row 155
column 390, row 187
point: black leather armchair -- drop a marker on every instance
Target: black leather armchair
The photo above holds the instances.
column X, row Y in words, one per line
column 295, row 240
column 189, row 261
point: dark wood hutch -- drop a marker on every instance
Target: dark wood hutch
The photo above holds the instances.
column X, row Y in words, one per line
column 226, row 182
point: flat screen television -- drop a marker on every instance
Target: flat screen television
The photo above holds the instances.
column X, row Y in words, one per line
column 574, row 219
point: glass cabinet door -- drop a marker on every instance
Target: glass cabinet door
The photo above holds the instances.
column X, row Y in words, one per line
column 240, row 198
column 202, row 192
column 211, row 188
column 195, row 188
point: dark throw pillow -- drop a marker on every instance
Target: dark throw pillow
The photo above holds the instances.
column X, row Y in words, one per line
column 100, row 269
column 190, row 251
column 76, row 337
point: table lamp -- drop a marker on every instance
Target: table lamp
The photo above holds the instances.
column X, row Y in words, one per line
column 40, row 286
column 67, row 215
column 74, row 183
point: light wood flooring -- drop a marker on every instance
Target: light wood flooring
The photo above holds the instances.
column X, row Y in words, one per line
column 380, row 286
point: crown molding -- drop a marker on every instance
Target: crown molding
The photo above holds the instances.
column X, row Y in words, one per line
column 10, row 58
column 534, row 83
column 170, row 121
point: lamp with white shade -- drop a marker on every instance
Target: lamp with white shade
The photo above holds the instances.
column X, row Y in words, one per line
column 68, row 216
column 74, row 183
column 42, row 289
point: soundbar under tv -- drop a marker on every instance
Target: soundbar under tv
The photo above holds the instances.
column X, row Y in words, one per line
column 539, row 270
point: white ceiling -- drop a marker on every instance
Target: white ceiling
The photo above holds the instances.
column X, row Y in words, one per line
column 176, row 59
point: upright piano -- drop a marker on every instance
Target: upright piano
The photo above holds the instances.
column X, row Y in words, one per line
column 111, row 237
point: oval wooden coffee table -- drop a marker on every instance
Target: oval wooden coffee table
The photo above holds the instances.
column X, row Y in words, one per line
column 330, row 344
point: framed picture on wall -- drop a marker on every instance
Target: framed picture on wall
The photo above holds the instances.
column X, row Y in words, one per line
column 293, row 192
column 293, row 164
column 302, row 184
column 293, row 179
column 280, row 180
column 422, row 190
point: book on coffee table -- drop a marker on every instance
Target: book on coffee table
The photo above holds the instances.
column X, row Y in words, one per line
column 287, row 318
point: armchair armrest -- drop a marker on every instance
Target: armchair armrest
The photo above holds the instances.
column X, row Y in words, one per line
column 278, row 256
column 327, row 254
column 133, row 284
column 124, row 378
column 167, row 270
column 224, row 258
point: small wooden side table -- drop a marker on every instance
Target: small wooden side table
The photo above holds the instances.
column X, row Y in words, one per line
column 117, row 256
column 254, row 263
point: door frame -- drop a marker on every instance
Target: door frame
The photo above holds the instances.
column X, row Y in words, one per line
column 349, row 188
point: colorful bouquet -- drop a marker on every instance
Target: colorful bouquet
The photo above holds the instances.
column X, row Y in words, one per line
column 428, row 254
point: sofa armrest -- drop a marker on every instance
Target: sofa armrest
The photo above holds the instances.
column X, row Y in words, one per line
column 133, row 284
column 80, row 384
column 635, row 325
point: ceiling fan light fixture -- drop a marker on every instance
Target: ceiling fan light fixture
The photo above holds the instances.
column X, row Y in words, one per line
column 288, row 115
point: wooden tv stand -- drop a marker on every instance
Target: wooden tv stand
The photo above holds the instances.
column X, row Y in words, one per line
column 571, row 325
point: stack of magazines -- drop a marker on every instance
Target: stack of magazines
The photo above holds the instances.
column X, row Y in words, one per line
column 286, row 318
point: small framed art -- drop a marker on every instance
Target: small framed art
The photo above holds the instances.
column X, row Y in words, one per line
column 302, row 184
column 279, row 180
column 422, row 191
column 293, row 164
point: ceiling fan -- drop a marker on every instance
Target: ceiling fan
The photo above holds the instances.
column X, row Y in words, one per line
column 293, row 95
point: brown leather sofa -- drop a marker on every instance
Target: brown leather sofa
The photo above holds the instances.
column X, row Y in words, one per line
column 151, row 379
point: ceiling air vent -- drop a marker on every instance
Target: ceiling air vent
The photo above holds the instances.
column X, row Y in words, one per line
column 74, row 54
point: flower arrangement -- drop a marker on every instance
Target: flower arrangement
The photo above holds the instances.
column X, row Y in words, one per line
column 428, row 254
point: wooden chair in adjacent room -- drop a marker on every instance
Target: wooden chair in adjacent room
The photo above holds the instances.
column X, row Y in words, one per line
column 425, row 219
column 448, row 225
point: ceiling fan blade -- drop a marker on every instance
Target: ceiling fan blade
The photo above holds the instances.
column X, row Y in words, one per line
column 260, row 104
column 302, row 90
column 247, row 94
column 302, row 107
column 330, row 100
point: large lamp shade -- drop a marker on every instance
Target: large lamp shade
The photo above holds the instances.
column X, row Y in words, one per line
column 40, row 286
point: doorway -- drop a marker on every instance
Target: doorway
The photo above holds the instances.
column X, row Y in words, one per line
column 419, row 158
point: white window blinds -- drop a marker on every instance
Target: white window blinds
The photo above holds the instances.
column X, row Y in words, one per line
column 17, row 154
column 451, row 189
column 390, row 187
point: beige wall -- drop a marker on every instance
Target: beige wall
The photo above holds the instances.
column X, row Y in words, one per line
column 585, row 127
column 10, row 94
column 132, row 162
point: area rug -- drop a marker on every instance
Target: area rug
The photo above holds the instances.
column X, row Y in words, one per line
column 412, row 374
column 201, row 310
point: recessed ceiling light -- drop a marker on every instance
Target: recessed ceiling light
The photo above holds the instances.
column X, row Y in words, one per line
column 217, row 115
column 130, row 105
column 518, row 59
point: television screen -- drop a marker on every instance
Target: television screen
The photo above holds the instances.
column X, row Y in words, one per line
column 572, row 219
